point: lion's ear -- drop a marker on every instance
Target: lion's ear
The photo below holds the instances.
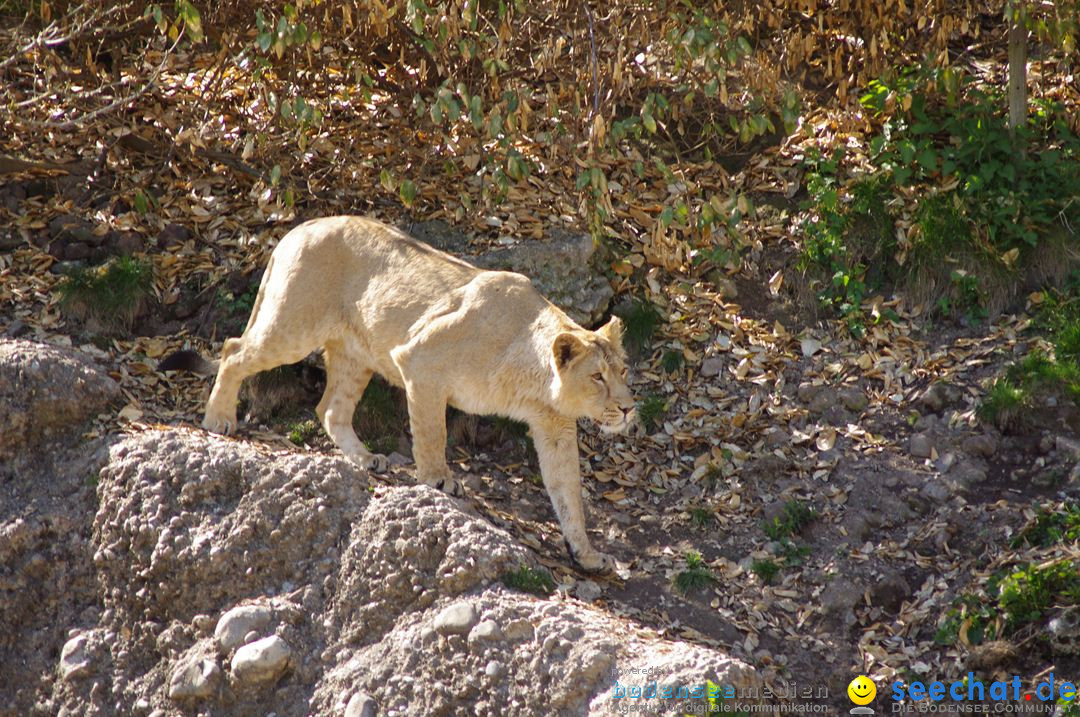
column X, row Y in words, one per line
column 566, row 348
column 612, row 331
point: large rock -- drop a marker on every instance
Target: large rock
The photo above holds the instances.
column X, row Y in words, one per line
column 564, row 269
column 190, row 525
column 45, row 392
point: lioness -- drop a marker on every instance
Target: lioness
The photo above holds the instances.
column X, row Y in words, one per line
column 377, row 301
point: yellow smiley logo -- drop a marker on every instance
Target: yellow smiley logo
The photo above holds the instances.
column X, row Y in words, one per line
column 862, row 690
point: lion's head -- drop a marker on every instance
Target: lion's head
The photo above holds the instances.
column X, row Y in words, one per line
column 591, row 368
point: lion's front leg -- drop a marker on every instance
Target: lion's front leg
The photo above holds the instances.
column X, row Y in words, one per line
column 556, row 446
column 427, row 419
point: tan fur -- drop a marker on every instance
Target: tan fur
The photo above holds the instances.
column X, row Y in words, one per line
column 486, row 342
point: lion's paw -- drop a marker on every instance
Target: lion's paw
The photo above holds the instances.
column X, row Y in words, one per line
column 451, row 486
column 373, row 462
column 377, row 463
column 595, row 562
column 219, row 423
column 447, row 484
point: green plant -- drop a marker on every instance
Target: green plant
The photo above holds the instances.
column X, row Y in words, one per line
column 847, row 237
column 651, row 409
column 795, row 516
column 109, row 296
column 1027, row 593
column 702, row 516
column 239, row 305
column 671, row 361
column 766, row 570
column 1050, row 527
column 529, row 580
column 791, row 553
column 971, row 613
column 1003, row 404
column 303, row 431
column 941, row 127
column 640, row 321
column 695, row 576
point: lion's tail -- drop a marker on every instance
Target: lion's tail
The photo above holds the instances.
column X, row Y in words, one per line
column 186, row 360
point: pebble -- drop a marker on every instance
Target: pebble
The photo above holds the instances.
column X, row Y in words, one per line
column 486, row 631
column 712, row 366
column 396, row 459
column 1068, row 446
column 235, row 625
column 587, row 591
column 983, row 446
column 936, row 490
column 921, row 445
column 457, row 619
column 193, row 678
column 519, row 631
column 361, row 705
column 74, row 660
column 494, row 669
column 262, row 660
column 854, row 400
column 806, row 391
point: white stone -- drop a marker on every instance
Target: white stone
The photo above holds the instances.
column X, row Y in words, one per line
column 234, row 626
column 361, row 705
column 487, row 631
column 457, row 619
column 74, row 659
column 262, row 660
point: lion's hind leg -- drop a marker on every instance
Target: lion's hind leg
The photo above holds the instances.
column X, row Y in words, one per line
column 346, row 379
column 271, row 339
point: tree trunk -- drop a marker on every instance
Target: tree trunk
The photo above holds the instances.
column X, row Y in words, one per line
column 1017, row 63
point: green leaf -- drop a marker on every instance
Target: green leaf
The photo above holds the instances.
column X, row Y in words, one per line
column 407, row 192
column 142, row 204
column 476, row 111
column 192, row 20
column 516, row 167
column 648, row 121
column 275, row 174
column 928, row 159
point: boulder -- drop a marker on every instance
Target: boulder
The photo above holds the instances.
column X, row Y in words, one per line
column 47, row 392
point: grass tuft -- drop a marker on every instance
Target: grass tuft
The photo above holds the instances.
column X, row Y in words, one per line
column 1003, row 404
column 651, row 410
column 640, row 322
column 702, row 517
column 696, row 576
column 302, row 432
column 108, row 297
column 529, row 580
column 766, row 570
column 795, row 516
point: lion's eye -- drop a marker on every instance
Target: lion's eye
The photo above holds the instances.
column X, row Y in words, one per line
column 598, row 377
